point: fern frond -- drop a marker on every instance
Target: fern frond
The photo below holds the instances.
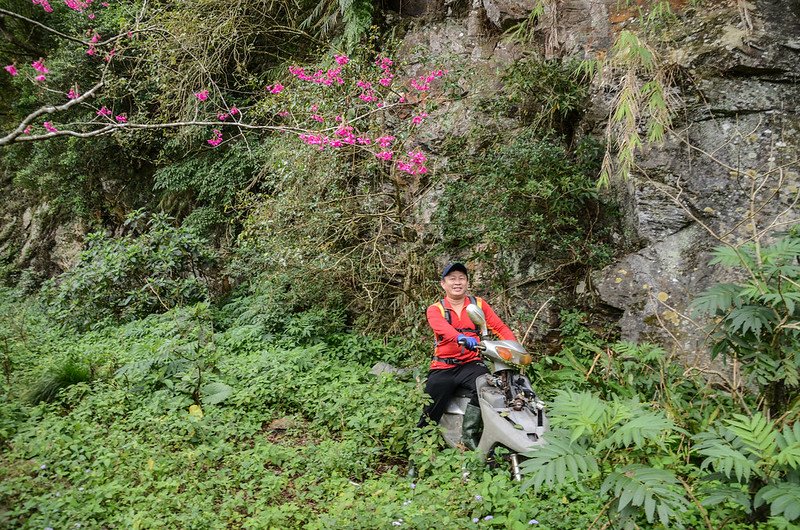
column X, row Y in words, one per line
column 721, row 493
column 638, row 431
column 715, row 300
column 644, row 352
column 734, row 257
column 655, row 491
column 580, row 412
column 723, row 456
column 756, row 434
column 560, row 461
column 750, row 318
column 789, row 444
column 783, row 499
column 784, row 250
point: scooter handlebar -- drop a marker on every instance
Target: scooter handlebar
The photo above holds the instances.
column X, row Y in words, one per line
column 479, row 347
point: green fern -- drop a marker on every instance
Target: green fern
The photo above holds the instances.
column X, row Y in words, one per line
column 581, row 412
column 783, row 499
column 645, row 427
column 783, row 251
column 756, row 434
column 715, row 493
column 716, row 299
column 734, row 257
column 750, row 319
column 561, row 460
column 723, row 455
column 655, row 491
column 788, row 442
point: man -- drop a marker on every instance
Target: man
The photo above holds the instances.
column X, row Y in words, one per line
column 457, row 365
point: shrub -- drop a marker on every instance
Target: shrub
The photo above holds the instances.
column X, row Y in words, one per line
column 122, row 278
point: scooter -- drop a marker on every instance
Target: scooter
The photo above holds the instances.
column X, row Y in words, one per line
column 513, row 416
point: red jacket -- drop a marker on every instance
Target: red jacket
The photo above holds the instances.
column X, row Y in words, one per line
column 447, row 346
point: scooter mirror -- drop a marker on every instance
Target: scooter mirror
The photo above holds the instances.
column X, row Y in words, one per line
column 478, row 318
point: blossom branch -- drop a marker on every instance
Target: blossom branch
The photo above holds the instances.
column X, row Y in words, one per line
column 17, row 134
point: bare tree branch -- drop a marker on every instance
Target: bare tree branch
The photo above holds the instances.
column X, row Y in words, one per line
column 43, row 26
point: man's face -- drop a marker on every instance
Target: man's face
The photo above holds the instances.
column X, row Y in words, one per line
column 455, row 284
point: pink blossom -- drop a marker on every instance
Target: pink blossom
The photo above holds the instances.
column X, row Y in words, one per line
column 315, row 139
column 222, row 116
column 363, row 140
column 284, row 114
column 341, row 59
column 104, row 111
column 384, row 141
column 234, row 111
column 202, row 95
column 45, row 5
column 11, row 69
column 317, row 117
column 415, row 165
column 277, row 88
column 338, row 119
column 216, row 139
column 78, row 5
column 384, row 155
column 50, row 127
column 420, row 85
column 402, row 99
column 90, row 16
column 416, row 120
column 314, row 108
column 73, row 94
column 40, row 77
column 366, row 85
column 379, row 104
column 40, row 67
column 386, row 81
column 384, row 63
column 91, row 50
column 110, row 55
column 27, row 130
column 121, row 118
column 368, row 96
column 104, row 4
column 95, row 38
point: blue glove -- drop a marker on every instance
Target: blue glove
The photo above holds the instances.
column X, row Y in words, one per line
column 468, row 342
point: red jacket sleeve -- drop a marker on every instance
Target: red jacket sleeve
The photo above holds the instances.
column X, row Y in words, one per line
column 494, row 323
column 445, row 333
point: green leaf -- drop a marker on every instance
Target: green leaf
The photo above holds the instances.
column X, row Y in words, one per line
column 783, row 499
column 650, row 490
column 715, row 300
column 559, row 461
column 214, row 393
column 756, row 433
column 750, row 318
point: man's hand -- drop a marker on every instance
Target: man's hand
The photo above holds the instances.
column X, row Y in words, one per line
column 468, row 342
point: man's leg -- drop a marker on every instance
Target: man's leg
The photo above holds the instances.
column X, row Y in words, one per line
column 472, row 425
column 440, row 386
column 467, row 374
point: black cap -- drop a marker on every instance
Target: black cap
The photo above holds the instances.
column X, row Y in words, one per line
column 454, row 266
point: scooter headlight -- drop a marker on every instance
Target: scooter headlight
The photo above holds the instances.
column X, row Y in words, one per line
column 505, row 353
